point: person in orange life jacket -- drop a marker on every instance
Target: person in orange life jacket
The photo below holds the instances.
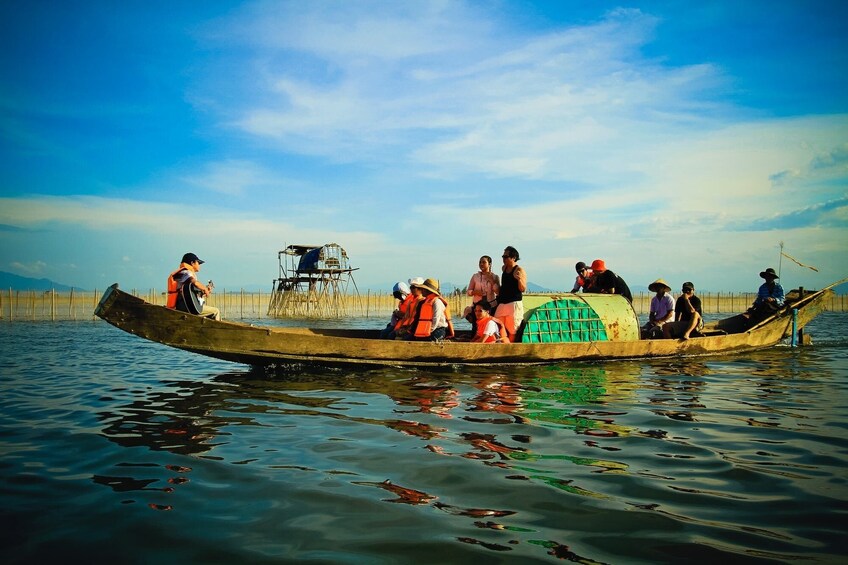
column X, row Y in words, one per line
column 510, row 310
column 187, row 274
column 401, row 292
column 489, row 329
column 432, row 319
column 171, row 302
column 403, row 329
column 583, row 279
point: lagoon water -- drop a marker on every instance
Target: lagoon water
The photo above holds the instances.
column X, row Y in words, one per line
column 114, row 449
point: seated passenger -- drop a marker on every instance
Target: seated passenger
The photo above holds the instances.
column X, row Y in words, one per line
column 584, row 278
column 187, row 275
column 662, row 310
column 689, row 315
column 432, row 318
column 770, row 297
column 403, row 329
column 489, row 329
column 401, row 292
column 607, row 282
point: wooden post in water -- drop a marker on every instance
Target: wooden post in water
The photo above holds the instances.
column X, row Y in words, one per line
column 801, row 331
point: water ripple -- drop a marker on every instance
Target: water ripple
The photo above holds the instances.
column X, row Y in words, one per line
column 107, row 438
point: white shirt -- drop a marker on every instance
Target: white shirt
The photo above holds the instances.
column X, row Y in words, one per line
column 662, row 306
column 439, row 319
column 490, row 329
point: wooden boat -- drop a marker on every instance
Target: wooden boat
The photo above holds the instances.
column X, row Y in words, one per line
column 256, row 345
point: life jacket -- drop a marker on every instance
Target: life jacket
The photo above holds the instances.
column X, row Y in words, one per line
column 424, row 318
column 584, row 282
column 407, row 310
column 173, row 288
column 491, row 338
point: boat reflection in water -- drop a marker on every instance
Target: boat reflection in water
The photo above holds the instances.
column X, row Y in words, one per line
column 524, row 457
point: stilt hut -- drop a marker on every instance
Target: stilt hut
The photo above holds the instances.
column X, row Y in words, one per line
column 314, row 282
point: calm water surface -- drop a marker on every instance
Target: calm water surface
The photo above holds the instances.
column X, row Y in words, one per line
column 114, row 448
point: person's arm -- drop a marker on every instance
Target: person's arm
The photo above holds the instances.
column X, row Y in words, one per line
column 438, row 313
column 779, row 296
column 578, row 282
column 687, row 305
column 200, row 286
column 521, row 278
column 490, row 330
column 472, row 286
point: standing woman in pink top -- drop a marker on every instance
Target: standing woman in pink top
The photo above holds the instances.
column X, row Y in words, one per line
column 484, row 285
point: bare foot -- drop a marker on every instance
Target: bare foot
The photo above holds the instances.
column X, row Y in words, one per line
column 684, row 337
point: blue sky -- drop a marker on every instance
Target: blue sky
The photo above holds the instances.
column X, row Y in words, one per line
column 671, row 141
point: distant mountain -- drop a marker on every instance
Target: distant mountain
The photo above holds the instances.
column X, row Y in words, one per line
column 17, row 282
column 533, row 287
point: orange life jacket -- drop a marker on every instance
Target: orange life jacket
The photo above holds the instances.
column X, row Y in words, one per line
column 491, row 338
column 407, row 309
column 424, row 319
column 172, row 287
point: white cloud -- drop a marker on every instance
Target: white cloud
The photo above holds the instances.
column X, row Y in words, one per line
column 33, row 268
column 464, row 92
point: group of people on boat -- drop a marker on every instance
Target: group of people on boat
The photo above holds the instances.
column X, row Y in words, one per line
column 684, row 318
column 497, row 310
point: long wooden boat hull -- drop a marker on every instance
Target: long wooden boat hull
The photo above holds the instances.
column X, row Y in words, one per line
column 255, row 345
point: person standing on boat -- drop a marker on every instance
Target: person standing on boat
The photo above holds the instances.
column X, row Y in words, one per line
column 662, row 309
column 770, row 297
column 510, row 309
column 187, row 274
column 689, row 315
column 607, row 282
column 584, row 278
column 484, row 285
column 432, row 318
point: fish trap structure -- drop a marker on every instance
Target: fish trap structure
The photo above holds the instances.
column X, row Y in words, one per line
column 314, row 282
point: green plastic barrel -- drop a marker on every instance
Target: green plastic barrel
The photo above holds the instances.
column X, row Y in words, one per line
column 571, row 318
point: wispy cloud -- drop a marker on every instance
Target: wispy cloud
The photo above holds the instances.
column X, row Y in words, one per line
column 825, row 215
column 457, row 91
column 420, row 135
column 33, row 268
